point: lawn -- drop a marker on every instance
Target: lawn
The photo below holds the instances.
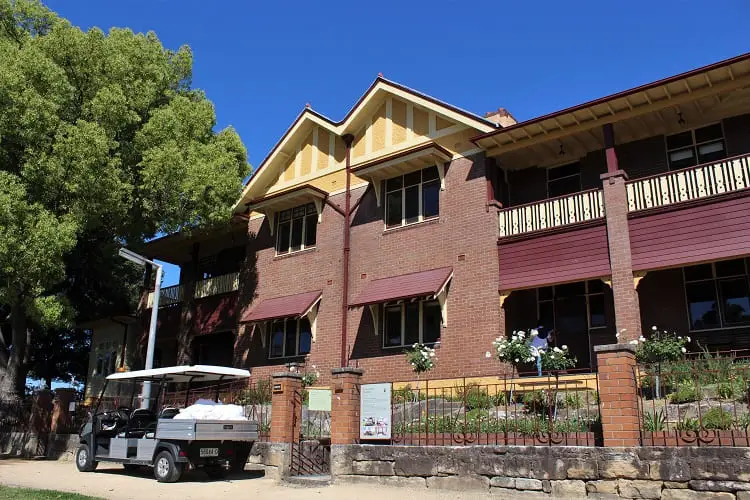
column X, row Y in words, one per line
column 8, row 493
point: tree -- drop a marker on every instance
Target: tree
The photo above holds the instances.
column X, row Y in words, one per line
column 103, row 143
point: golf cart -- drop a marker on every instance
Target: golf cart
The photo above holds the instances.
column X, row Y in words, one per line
column 164, row 439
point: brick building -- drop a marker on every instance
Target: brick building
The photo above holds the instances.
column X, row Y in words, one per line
column 617, row 214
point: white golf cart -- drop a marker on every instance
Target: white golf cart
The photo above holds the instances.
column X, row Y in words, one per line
column 164, row 440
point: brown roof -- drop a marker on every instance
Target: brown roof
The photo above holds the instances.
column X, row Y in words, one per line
column 289, row 306
column 406, row 286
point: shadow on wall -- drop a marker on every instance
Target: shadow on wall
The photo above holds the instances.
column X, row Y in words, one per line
column 247, row 292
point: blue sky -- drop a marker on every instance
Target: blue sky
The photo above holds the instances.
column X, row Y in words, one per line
column 260, row 62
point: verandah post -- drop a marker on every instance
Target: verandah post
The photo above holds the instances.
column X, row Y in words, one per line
column 618, row 395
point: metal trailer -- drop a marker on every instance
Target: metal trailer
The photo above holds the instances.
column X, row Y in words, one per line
column 139, row 438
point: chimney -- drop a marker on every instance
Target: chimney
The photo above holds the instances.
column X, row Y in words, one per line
column 502, row 117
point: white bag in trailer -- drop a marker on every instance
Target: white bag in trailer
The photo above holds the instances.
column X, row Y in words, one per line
column 204, row 409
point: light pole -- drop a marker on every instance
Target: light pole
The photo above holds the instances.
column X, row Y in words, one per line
column 143, row 261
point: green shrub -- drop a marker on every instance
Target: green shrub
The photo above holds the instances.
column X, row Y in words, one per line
column 688, row 424
column 573, row 400
column 743, row 421
column 404, row 394
column 718, row 419
column 473, row 396
column 654, row 421
column 686, row 392
column 257, row 394
column 541, row 402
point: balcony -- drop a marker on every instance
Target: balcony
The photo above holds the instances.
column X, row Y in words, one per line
column 552, row 213
column 695, row 183
column 204, row 288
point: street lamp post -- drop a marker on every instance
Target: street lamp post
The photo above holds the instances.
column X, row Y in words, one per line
column 143, row 261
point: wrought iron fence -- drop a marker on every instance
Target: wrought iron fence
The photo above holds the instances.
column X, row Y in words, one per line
column 15, row 415
column 540, row 411
column 700, row 401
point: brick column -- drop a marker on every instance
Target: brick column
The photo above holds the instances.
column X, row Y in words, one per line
column 618, row 396
column 627, row 311
column 345, row 405
column 62, row 421
column 286, row 407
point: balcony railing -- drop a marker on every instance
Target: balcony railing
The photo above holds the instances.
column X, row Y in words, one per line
column 702, row 181
column 555, row 212
column 205, row 288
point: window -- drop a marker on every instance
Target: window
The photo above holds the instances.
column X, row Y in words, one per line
column 551, row 297
column 106, row 359
column 413, row 197
column 297, row 228
column 290, row 337
column 718, row 294
column 562, row 180
column 408, row 323
column 694, row 147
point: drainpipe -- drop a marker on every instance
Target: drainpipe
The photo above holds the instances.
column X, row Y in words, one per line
column 348, row 139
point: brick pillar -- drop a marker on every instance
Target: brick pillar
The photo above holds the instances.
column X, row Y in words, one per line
column 345, row 405
column 618, row 396
column 286, row 407
column 627, row 311
column 39, row 424
column 62, row 421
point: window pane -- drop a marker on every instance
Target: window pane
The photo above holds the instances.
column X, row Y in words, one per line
column 682, row 158
column 595, row 286
column 311, row 209
column 712, row 151
column 311, row 229
column 699, row 272
column 393, row 184
column 730, row 268
column 735, row 301
column 707, row 133
column 547, row 314
column 570, row 289
column 412, row 204
column 702, row 305
column 432, row 321
column 680, row 140
column 283, row 245
column 277, row 340
column 411, row 334
column 431, row 199
column 393, row 209
column 392, row 326
column 564, row 171
column 545, row 293
column 429, row 174
column 305, row 336
column 298, row 211
column 290, row 348
column 567, row 185
column 285, row 215
column 413, row 178
column 296, row 234
column 596, row 311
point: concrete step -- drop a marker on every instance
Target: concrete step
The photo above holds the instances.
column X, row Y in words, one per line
column 315, row 481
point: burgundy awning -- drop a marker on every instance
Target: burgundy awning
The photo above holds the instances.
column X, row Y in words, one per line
column 406, row 286
column 290, row 306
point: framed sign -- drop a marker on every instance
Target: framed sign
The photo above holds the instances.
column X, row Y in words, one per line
column 319, row 399
column 375, row 411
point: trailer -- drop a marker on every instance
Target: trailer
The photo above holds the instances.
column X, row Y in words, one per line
column 143, row 437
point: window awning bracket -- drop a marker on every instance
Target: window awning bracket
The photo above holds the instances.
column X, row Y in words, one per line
column 374, row 314
column 440, row 164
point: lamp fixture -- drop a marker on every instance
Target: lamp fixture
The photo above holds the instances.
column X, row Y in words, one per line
column 562, row 150
column 680, row 119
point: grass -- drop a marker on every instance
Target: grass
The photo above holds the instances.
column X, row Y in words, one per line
column 8, row 493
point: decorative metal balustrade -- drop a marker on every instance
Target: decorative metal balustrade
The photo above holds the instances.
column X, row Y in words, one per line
column 554, row 212
column 702, row 181
column 205, row 288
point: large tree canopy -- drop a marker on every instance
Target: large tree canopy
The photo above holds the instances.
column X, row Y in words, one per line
column 103, row 143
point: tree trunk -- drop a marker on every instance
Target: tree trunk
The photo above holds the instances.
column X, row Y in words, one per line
column 12, row 376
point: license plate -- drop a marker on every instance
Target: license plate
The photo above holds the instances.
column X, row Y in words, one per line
column 209, row 452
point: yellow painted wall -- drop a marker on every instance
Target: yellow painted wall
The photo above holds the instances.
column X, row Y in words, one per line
column 323, row 146
column 359, row 142
column 398, row 119
column 289, row 170
column 421, row 126
column 307, row 155
column 378, row 129
column 441, row 123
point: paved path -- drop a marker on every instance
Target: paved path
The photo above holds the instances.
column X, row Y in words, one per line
column 112, row 482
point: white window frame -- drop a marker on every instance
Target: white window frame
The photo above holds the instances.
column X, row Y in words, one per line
column 296, row 354
column 402, row 305
column 106, row 352
column 421, row 218
column 694, row 144
column 304, row 228
column 714, row 279
column 578, row 174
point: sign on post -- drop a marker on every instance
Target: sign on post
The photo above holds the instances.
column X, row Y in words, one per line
column 375, row 411
column 319, row 399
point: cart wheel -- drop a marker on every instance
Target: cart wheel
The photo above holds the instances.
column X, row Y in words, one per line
column 216, row 472
column 166, row 470
column 84, row 460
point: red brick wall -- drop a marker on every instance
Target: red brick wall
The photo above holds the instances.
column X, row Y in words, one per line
column 465, row 238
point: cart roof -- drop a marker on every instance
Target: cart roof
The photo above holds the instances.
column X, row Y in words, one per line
column 184, row 374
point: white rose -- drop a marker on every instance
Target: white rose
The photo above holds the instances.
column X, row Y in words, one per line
column 683, row 350
column 653, row 328
column 617, row 335
column 534, row 332
column 487, row 354
column 432, row 354
column 516, row 360
column 641, row 339
column 564, row 348
column 633, row 342
column 688, row 339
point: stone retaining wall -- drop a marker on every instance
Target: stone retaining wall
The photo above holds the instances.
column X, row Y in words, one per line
column 553, row 472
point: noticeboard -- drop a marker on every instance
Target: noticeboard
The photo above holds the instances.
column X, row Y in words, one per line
column 375, row 411
column 319, row 399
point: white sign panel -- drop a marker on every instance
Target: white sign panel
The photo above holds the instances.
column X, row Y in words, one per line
column 375, row 411
column 320, row 400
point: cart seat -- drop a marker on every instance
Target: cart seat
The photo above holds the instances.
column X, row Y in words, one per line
column 141, row 421
column 169, row 412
